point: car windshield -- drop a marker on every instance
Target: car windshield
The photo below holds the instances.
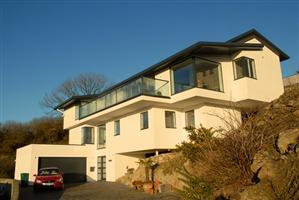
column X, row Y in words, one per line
column 48, row 172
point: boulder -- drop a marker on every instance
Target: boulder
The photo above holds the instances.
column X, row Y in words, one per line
column 265, row 163
column 296, row 113
column 287, row 138
column 261, row 191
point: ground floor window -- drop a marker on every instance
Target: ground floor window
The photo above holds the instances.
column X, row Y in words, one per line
column 190, row 119
column 143, row 120
column 101, row 136
column 116, row 127
column 87, row 135
column 170, row 121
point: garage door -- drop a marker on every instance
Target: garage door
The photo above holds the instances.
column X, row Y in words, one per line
column 74, row 169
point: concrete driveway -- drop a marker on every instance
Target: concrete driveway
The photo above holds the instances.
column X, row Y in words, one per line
column 96, row 191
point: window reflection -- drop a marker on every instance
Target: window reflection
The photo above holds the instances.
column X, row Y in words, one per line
column 199, row 73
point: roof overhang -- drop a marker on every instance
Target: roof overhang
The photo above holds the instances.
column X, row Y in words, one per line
column 254, row 33
column 73, row 100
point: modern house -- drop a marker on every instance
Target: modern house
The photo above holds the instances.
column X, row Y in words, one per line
column 145, row 114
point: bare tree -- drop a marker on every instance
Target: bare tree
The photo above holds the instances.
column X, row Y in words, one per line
column 84, row 84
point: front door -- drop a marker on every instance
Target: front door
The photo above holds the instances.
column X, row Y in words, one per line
column 101, row 168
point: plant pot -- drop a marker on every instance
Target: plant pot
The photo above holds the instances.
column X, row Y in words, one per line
column 148, row 187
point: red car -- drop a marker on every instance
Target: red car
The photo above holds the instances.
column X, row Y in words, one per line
column 50, row 177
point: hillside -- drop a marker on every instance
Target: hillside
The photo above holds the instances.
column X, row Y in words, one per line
column 257, row 160
column 13, row 135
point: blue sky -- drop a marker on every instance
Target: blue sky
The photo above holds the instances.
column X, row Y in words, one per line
column 43, row 43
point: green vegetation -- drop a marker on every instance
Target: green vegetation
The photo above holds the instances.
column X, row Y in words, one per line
column 13, row 135
column 246, row 159
column 195, row 187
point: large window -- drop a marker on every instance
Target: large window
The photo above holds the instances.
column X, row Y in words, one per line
column 116, row 127
column 144, row 120
column 170, row 119
column 190, row 119
column 197, row 72
column 244, row 67
column 208, row 74
column 87, row 135
column 183, row 76
column 101, row 136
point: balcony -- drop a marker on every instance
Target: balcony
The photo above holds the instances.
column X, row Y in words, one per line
column 140, row 86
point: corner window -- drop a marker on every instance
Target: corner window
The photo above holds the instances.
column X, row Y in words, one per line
column 197, row 72
column 116, row 127
column 101, row 136
column 208, row 74
column 87, row 135
column 244, row 67
column 183, row 76
column 190, row 119
column 170, row 119
column 143, row 120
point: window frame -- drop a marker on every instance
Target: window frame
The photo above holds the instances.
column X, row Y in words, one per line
column 174, row 119
column 142, row 127
column 177, row 64
column 250, row 71
column 83, row 135
column 101, row 146
column 186, row 119
column 116, row 122
column 220, row 73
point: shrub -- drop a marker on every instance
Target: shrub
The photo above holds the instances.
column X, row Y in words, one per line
column 195, row 188
column 200, row 140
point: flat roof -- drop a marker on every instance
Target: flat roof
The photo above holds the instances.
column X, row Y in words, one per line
column 74, row 99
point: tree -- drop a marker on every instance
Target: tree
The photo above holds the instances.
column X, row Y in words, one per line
column 84, row 84
column 13, row 135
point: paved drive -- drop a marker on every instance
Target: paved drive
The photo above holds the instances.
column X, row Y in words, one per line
column 94, row 191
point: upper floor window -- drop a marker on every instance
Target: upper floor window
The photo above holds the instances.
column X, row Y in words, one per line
column 117, row 127
column 144, row 120
column 101, row 136
column 208, row 74
column 244, row 67
column 183, row 76
column 170, row 121
column 197, row 72
column 87, row 135
column 190, row 119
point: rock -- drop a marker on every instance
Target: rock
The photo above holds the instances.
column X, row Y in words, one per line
column 261, row 191
column 296, row 113
column 265, row 164
column 276, row 172
column 286, row 138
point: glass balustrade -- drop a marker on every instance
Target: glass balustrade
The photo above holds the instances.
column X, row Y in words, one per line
column 140, row 86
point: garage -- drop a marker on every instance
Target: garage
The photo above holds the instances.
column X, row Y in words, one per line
column 74, row 168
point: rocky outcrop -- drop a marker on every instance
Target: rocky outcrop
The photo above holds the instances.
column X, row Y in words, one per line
column 277, row 171
column 288, row 140
column 159, row 173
